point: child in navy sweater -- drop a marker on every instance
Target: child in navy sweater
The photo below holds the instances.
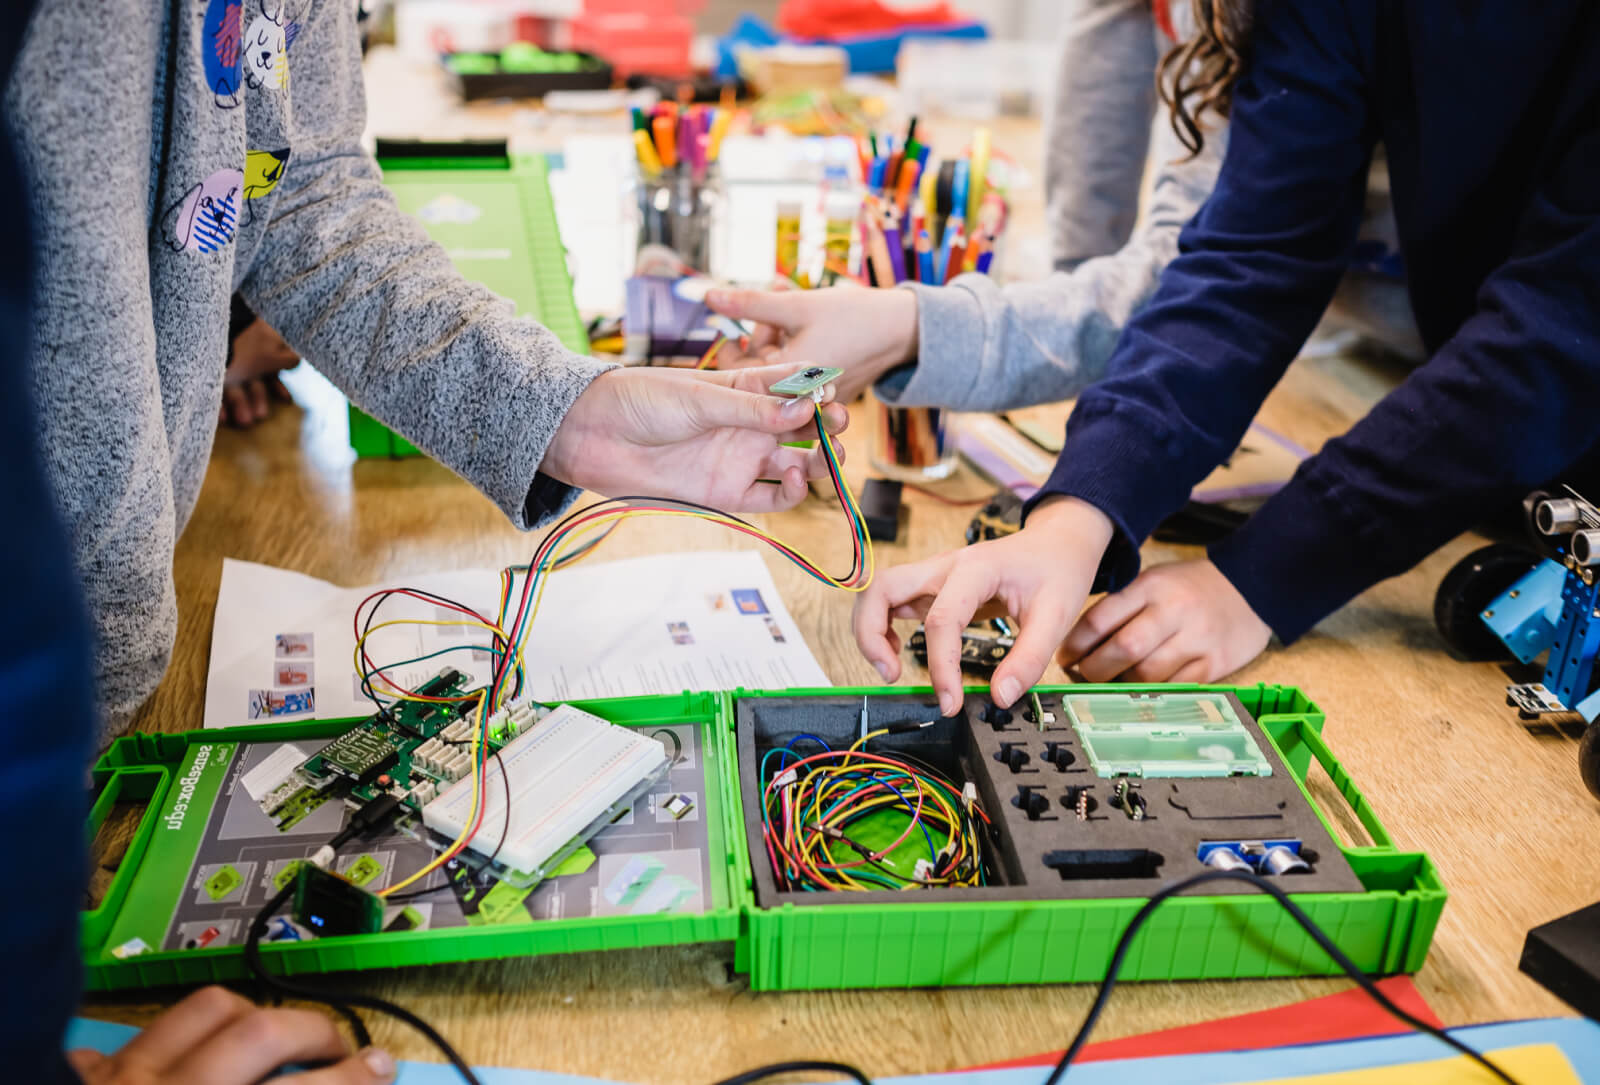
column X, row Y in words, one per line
column 1490, row 117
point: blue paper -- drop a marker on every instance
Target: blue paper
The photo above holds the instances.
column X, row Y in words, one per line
column 1578, row 1039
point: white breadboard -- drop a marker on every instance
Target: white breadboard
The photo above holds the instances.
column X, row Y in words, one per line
column 567, row 772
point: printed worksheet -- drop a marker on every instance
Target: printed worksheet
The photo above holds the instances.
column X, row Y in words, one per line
column 283, row 644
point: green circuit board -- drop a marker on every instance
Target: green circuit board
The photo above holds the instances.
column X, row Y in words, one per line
column 377, row 755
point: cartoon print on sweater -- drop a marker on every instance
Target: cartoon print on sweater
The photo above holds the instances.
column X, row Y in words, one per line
column 207, row 216
column 266, row 45
column 262, row 171
column 219, row 47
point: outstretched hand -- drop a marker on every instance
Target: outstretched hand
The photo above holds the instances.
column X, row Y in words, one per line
column 1183, row 622
column 714, row 438
column 863, row 332
column 1041, row 575
column 217, row 1037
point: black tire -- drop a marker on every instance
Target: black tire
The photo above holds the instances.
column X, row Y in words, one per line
column 1470, row 586
column 1589, row 759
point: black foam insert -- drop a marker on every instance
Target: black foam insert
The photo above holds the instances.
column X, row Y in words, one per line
column 1056, row 856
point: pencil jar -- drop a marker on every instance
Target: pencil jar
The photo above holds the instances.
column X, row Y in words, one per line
column 680, row 212
column 912, row 444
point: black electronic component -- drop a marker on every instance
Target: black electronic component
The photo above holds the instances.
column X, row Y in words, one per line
column 981, row 650
column 1013, row 755
column 1002, row 516
column 1199, row 523
column 1080, row 800
column 1058, row 755
column 440, row 684
column 1032, row 802
column 1125, row 797
column 326, row 904
column 882, row 510
column 1564, row 957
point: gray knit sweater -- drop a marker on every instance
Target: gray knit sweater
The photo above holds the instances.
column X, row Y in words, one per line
column 257, row 183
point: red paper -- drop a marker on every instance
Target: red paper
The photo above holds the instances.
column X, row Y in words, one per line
column 841, row 18
column 1349, row 1015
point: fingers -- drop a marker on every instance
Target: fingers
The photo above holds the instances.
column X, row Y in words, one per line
column 782, row 496
column 1044, row 623
column 256, row 393
column 176, row 1032
column 235, row 405
column 969, row 585
column 1100, row 621
column 255, row 1044
column 1196, row 670
column 809, row 462
column 1170, row 657
column 781, row 310
column 715, row 407
column 369, row 1067
column 893, row 593
column 277, row 389
column 1132, row 644
column 87, row 1063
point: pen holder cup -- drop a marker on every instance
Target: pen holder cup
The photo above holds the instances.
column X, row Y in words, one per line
column 680, row 213
column 912, row 444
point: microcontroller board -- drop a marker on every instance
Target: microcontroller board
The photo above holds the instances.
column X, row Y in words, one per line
column 411, row 750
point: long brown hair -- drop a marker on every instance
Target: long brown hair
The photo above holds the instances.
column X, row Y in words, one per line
column 1197, row 76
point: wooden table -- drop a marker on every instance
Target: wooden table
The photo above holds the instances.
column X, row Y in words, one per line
column 1498, row 806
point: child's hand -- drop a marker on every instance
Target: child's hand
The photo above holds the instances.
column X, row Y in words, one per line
column 864, row 332
column 714, row 438
column 1041, row 575
column 251, row 381
column 217, row 1037
column 1184, row 622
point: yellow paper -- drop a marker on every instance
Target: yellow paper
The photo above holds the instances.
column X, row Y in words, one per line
column 1541, row 1063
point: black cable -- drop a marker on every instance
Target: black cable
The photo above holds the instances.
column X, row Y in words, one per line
column 345, row 1003
column 1307, row 924
column 505, row 831
column 778, row 1069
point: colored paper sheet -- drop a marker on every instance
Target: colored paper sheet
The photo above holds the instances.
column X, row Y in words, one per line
column 1575, row 1041
column 1348, row 1015
column 1543, row 1063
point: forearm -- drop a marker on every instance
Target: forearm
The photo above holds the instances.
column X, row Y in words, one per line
column 358, row 288
column 989, row 347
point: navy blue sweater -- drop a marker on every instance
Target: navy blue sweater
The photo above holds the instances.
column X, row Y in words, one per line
column 1489, row 113
column 48, row 723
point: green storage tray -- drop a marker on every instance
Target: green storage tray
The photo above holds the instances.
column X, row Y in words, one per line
column 512, row 246
column 915, row 942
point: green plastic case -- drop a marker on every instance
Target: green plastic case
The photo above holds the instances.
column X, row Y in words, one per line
column 496, row 220
column 911, row 943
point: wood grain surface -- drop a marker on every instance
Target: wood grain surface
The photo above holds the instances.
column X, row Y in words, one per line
column 1448, row 768
column 1497, row 805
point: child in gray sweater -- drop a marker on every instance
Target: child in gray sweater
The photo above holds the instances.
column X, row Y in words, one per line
column 182, row 151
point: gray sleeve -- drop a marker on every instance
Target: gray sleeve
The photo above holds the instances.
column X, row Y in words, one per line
column 986, row 347
column 356, row 286
column 1096, row 127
